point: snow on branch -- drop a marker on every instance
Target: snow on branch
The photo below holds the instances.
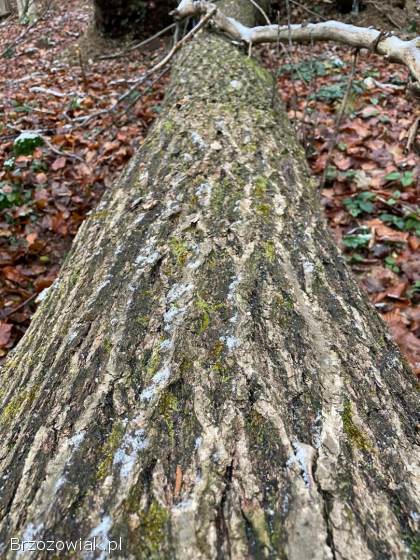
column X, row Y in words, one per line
column 393, row 48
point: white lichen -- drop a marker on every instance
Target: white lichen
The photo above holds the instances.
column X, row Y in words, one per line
column 77, row 440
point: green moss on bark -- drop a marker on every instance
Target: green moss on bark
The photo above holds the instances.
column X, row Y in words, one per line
column 111, row 445
column 353, row 433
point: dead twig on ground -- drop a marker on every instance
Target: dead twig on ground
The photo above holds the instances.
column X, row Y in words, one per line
column 412, row 134
column 274, row 90
column 304, row 8
column 9, row 312
column 137, row 45
column 86, row 119
column 258, row 7
column 333, row 140
column 9, row 48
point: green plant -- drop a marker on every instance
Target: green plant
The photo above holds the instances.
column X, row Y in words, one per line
column 391, row 263
column 19, row 107
column 406, row 179
column 331, row 173
column 305, row 70
column 336, row 91
column 413, row 290
column 26, row 142
column 394, row 198
column 357, row 240
column 360, row 203
column 9, row 164
column 38, row 165
column 409, row 222
column 74, row 104
column 13, row 195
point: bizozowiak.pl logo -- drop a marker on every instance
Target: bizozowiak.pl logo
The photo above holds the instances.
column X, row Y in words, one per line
column 90, row 545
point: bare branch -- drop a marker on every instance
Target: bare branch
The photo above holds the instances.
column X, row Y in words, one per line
column 393, row 48
column 206, row 17
column 258, row 7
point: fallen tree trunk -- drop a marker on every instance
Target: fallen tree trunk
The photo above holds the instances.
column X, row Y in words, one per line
column 205, row 379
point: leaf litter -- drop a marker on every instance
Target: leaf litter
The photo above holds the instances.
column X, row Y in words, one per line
column 370, row 195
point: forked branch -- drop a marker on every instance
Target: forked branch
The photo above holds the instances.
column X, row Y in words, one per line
column 393, row 48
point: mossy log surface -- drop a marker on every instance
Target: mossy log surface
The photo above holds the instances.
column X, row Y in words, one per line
column 206, row 380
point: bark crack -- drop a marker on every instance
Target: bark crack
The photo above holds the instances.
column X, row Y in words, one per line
column 223, row 540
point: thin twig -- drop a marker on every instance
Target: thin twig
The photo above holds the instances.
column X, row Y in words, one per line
column 60, row 153
column 10, row 312
column 289, row 25
column 412, row 134
column 20, row 37
column 259, row 8
column 308, row 10
column 156, row 68
column 333, row 140
column 290, row 52
column 82, row 70
column 104, row 129
column 308, row 97
column 137, row 45
column 46, row 142
column 273, row 93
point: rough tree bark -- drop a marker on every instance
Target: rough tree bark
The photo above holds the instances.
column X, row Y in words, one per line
column 117, row 18
column 5, row 7
column 205, row 379
column 27, row 8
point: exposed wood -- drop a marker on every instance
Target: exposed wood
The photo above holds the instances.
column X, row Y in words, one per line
column 206, row 380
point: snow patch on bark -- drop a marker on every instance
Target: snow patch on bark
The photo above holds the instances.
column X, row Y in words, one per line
column 230, row 341
column 303, row 457
column 203, row 193
column 177, row 291
column 77, row 439
column 126, row 456
column 101, row 532
column 158, row 380
column 29, row 534
column 198, row 141
column 176, row 311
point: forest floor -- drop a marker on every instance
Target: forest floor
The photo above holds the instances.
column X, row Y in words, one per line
column 50, row 179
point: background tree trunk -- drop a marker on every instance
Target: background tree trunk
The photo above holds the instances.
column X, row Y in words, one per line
column 412, row 7
column 4, row 8
column 27, row 8
column 205, row 379
column 116, row 18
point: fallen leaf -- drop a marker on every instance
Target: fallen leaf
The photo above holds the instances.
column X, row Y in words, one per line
column 5, row 334
column 59, row 163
